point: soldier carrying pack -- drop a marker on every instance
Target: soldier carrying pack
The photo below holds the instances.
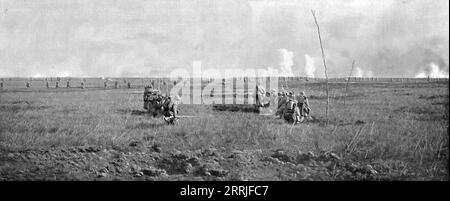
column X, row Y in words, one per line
column 303, row 105
column 170, row 110
column 152, row 100
column 158, row 104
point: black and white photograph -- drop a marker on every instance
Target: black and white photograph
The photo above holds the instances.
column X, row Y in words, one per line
column 224, row 91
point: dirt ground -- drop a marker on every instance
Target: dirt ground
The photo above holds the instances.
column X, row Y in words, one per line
column 384, row 131
column 96, row 163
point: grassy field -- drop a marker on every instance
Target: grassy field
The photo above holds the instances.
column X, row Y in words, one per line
column 403, row 126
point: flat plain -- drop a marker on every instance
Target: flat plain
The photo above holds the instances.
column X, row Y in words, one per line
column 384, row 131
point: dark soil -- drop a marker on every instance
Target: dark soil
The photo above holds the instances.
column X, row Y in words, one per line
column 95, row 163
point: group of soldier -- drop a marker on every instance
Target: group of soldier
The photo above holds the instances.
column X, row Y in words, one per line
column 158, row 104
column 82, row 84
column 293, row 108
column 116, row 84
column 47, row 84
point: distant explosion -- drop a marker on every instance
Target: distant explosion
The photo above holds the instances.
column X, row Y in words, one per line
column 359, row 72
column 310, row 68
column 37, row 75
column 433, row 71
column 287, row 62
column 64, row 74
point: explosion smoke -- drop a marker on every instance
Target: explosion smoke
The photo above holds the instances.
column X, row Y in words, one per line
column 359, row 72
column 286, row 63
column 309, row 66
column 433, row 71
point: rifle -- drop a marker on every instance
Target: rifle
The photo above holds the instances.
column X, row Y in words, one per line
column 172, row 120
column 186, row 116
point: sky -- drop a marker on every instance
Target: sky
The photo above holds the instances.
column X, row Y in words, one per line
column 144, row 38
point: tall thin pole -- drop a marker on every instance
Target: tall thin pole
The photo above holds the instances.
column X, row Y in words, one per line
column 324, row 64
column 348, row 80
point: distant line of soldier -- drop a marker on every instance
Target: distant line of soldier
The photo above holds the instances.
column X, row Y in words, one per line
column 165, row 84
column 116, row 84
column 57, row 85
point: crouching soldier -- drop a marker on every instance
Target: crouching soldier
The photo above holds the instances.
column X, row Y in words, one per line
column 152, row 101
column 303, row 106
column 170, row 110
column 291, row 113
column 281, row 104
column 146, row 96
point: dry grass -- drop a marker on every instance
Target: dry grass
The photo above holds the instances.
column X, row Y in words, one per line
column 380, row 122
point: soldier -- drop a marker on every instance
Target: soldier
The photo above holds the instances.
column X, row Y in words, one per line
column 212, row 93
column 170, row 110
column 129, row 85
column 147, row 96
column 47, row 85
column 152, row 100
column 28, row 85
column 116, row 84
column 281, row 104
column 82, row 84
column 105, row 84
column 303, row 105
column 258, row 91
column 294, row 108
column 290, row 113
column 68, row 84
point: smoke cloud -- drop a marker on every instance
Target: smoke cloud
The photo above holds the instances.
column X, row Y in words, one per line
column 359, row 72
column 136, row 38
column 433, row 71
column 309, row 66
column 287, row 62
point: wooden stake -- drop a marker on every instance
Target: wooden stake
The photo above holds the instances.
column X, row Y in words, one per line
column 324, row 63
